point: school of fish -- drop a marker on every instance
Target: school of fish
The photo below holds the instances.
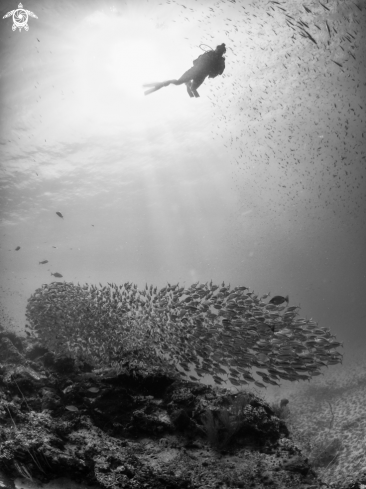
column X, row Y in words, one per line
column 205, row 329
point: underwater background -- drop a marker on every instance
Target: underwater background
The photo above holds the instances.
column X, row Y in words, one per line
column 260, row 182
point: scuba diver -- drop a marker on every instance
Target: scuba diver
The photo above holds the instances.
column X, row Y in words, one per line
column 211, row 63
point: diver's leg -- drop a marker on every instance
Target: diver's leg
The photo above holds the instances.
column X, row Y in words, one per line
column 197, row 82
column 186, row 77
column 188, row 84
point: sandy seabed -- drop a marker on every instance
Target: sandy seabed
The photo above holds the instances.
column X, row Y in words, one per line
column 328, row 417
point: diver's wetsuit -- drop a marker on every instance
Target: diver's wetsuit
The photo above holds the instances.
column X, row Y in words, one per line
column 208, row 64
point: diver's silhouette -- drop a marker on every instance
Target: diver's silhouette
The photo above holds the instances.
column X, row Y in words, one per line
column 210, row 63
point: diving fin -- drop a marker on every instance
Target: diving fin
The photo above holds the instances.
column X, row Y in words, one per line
column 157, row 86
column 151, row 84
column 147, row 92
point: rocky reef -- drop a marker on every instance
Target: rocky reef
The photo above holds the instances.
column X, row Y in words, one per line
column 140, row 427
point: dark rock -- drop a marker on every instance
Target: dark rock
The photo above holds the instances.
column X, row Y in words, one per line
column 136, row 428
column 50, row 399
column 258, row 404
column 297, row 464
column 18, row 342
column 64, row 365
column 34, row 351
column 181, row 420
column 6, row 482
column 151, row 382
column 48, row 359
column 22, row 379
column 156, row 423
column 9, row 353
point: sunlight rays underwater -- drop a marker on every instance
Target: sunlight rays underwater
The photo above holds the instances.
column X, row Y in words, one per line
column 101, row 142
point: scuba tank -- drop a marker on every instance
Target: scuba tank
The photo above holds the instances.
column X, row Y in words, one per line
column 209, row 61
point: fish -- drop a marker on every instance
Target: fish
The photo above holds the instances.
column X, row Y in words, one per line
column 310, row 37
column 329, row 32
column 339, row 64
column 17, row 248
column 241, row 335
column 59, row 214
column 324, row 6
column 71, row 408
column 58, row 275
column 43, row 262
column 292, row 308
column 278, row 299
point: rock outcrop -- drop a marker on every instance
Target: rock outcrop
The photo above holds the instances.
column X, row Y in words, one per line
column 140, row 427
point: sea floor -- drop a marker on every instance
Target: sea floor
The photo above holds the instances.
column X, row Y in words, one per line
column 62, row 483
column 21, row 483
column 328, row 419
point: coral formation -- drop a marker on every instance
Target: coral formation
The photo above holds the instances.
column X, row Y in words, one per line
column 137, row 429
column 328, row 422
column 144, row 428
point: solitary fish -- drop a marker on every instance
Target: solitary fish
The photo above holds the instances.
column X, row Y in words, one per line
column 56, row 274
column 59, row 214
column 278, row 299
column 43, row 262
column 17, row 248
column 72, row 408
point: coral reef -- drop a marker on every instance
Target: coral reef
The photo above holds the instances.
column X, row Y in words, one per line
column 327, row 421
column 138, row 428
